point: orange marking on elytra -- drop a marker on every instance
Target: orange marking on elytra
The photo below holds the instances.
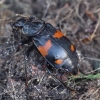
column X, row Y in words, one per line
column 58, row 34
column 58, row 61
column 44, row 49
column 72, row 48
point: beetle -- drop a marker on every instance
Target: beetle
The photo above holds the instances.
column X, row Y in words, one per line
column 52, row 44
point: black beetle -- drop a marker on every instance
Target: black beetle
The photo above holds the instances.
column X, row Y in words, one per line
column 56, row 48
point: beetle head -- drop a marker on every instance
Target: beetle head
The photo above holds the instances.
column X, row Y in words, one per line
column 18, row 25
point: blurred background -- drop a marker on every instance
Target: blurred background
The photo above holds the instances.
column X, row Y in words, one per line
column 79, row 20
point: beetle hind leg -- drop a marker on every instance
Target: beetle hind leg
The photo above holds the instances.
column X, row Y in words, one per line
column 49, row 67
column 50, row 71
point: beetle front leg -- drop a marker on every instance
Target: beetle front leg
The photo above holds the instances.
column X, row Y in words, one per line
column 23, row 42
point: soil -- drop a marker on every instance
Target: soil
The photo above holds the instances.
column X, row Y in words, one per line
column 24, row 78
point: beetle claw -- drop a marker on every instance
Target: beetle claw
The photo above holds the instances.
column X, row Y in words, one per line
column 18, row 48
column 27, row 54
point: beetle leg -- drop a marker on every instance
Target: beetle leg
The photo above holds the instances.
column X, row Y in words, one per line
column 63, row 84
column 50, row 68
column 30, row 49
column 23, row 42
column 15, row 32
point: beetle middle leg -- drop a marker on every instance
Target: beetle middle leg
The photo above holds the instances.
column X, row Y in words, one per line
column 49, row 67
column 30, row 49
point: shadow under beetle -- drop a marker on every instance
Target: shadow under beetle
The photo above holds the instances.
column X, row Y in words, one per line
column 56, row 48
